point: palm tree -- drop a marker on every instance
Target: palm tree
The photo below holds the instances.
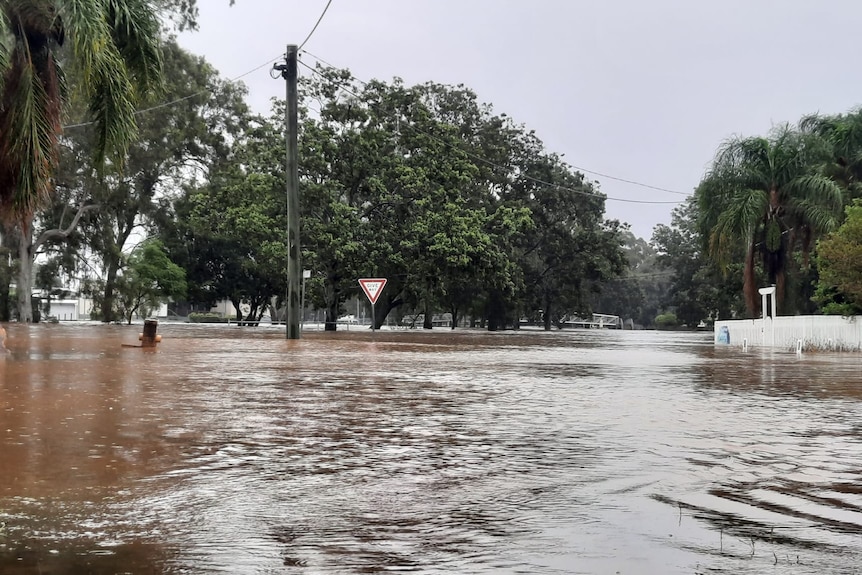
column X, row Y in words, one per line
column 113, row 49
column 843, row 134
column 767, row 195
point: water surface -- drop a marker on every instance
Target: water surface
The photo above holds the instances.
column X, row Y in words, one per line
column 234, row 450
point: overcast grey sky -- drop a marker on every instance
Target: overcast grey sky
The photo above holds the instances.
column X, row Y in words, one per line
column 640, row 90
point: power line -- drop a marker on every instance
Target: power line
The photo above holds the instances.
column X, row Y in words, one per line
column 182, row 99
column 322, row 14
column 495, row 165
column 633, row 182
column 319, row 59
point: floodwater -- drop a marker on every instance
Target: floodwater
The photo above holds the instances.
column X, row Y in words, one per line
column 234, row 450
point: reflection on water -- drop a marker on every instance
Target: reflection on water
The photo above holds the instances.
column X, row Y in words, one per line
column 234, row 450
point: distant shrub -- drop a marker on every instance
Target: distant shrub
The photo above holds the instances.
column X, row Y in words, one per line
column 845, row 309
column 666, row 320
column 197, row 317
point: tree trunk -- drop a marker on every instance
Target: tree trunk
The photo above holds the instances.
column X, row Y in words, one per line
column 5, row 281
column 331, row 320
column 110, row 284
column 749, row 285
column 496, row 312
column 24, row 283
column 546, row 313
column 780, row 281
column 331, row 296
column 381, row 312
column 428, row 322
column 236, row 306
column 26, row 250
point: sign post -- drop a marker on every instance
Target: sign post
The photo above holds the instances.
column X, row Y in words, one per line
column 372, row 287
column 305, row 275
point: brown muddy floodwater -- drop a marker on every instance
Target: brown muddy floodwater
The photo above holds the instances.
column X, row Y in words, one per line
column 234, row 450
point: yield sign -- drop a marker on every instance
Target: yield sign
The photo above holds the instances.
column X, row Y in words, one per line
column 372, row 288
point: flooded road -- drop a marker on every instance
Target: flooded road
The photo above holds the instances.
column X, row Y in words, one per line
column 234, row 450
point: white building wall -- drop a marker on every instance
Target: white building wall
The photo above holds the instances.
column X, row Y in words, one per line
column 826, row 332
column 71, row 309
column 65, row 309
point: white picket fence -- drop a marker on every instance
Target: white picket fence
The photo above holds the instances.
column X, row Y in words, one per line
column 799, row 333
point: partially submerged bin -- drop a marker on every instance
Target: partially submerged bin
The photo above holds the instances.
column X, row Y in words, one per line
column 149, row 337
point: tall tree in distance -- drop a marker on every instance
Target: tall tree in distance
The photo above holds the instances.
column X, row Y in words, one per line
column 839, row 257
column 113, row 49
column 177, row 147
column 697, row 290
column 843, row 134
column 767, row 196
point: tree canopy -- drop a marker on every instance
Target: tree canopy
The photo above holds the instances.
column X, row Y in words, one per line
column 767, row 196
column 839, row 257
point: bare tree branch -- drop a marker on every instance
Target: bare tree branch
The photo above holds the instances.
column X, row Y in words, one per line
column 62, row 234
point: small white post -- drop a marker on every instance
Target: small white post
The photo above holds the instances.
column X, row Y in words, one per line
column 764, row 293
column 798, row 347
column 745, row 344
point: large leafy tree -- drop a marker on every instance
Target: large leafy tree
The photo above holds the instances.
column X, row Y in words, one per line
column 839, row 257
column 641, row 292
column 569, row 248
column 696, row 290
column 389, row 189
column 149, row 279
column 766, row 196
column 113, row 48
column 842, row 133
column 230, row 232
column 426, row 187
column 177, row 146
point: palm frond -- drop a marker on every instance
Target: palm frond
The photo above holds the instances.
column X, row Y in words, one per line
column 113, row 53
column 136, row 32
column 30, row 122
column 820, row 220
column 744, row 163
column 7, row 42
column 737, row 223
column 815, row 189
column 816, row 124
column 115, row 49
column 103, row 76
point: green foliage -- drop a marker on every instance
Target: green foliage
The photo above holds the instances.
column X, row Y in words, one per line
column 638, row 294
column 199, row 317
column 395, row 181
column 697, row 291
column 176, row 145
column 149, row 278
column 839, row 258
column 115, row 54
column 666, row 320
column 230, row 234
column 392, row 186
column 767, row 196
column 112, row 50
column 842, row 133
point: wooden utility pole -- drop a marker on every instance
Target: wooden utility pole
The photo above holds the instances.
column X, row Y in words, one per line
column 294, row 268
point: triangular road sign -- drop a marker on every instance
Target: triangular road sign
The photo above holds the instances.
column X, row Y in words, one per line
column 372, row 287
